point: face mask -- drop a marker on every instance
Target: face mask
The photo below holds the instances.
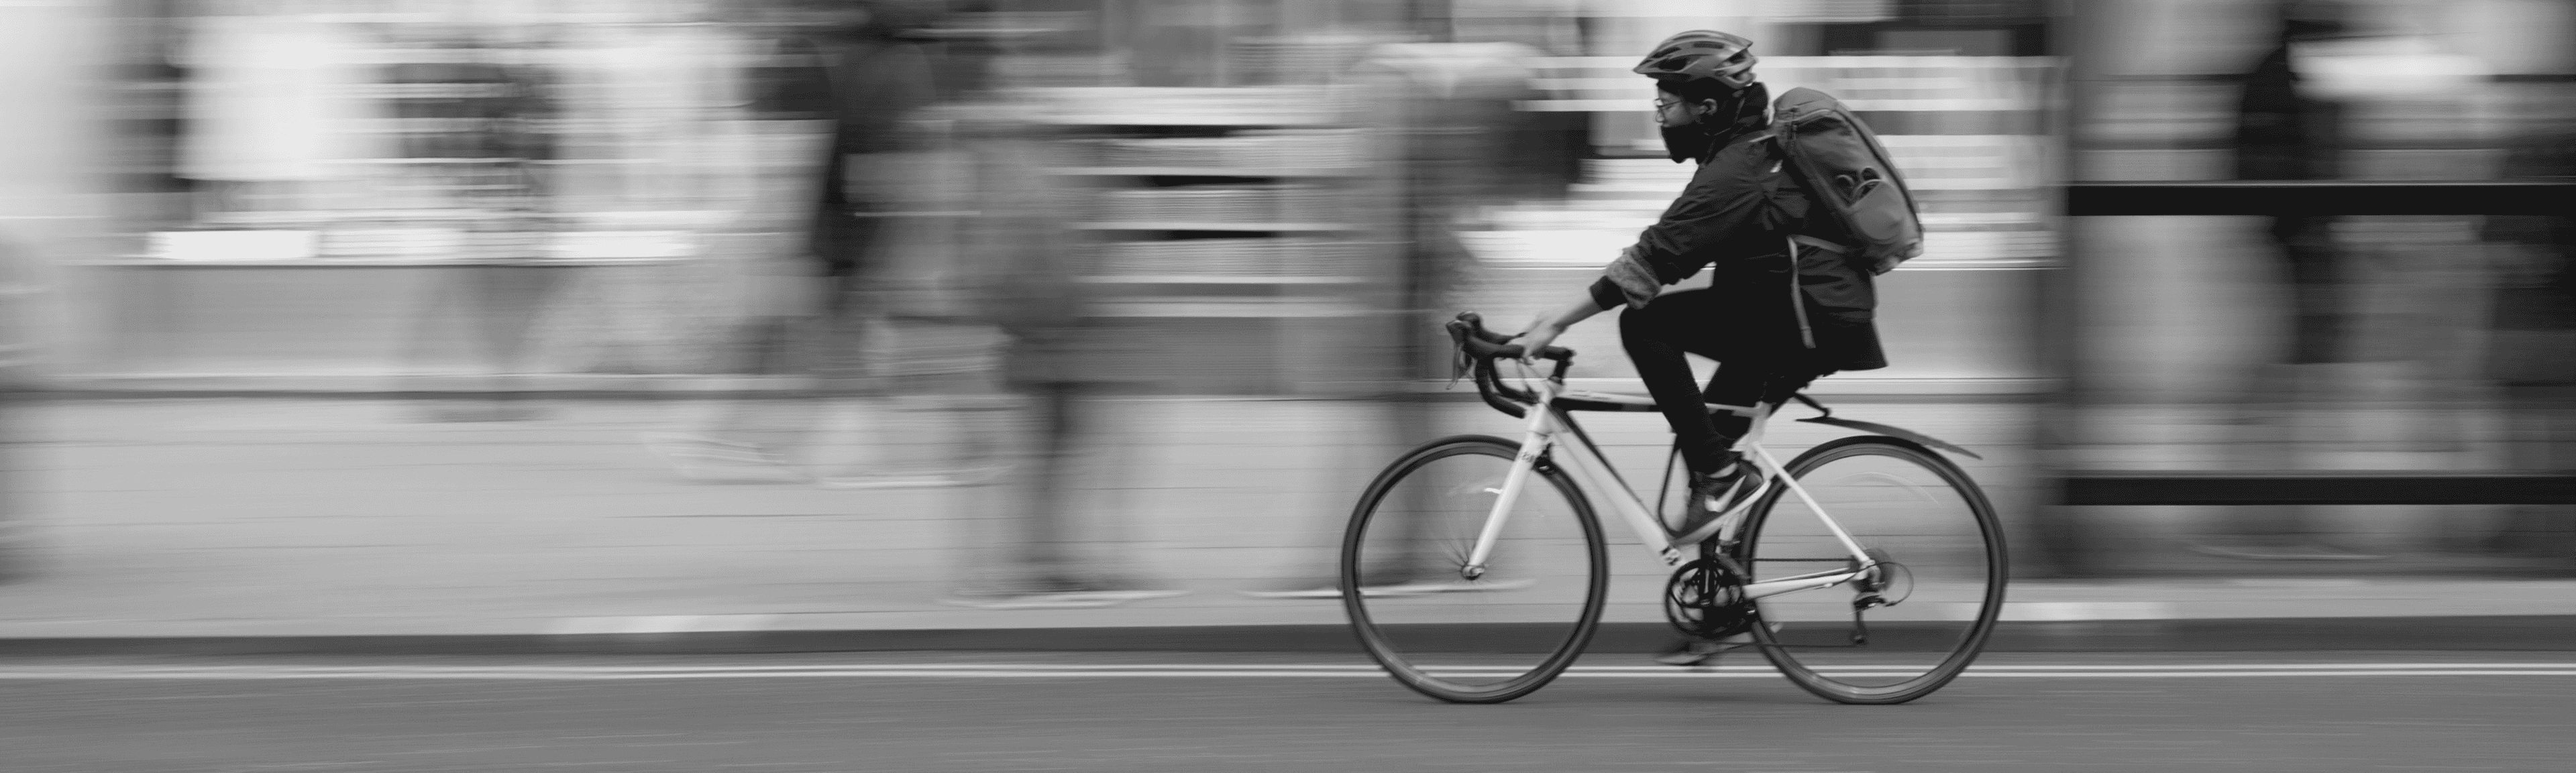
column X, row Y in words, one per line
column 1684, row 143
column 1737, row 116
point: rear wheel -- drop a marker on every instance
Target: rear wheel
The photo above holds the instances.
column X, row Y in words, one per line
column 1932, row 589
column 1451, row 631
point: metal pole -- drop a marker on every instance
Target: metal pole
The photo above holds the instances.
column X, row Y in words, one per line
column 2057, row 528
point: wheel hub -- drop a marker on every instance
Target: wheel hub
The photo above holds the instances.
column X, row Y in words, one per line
column 1883, row 583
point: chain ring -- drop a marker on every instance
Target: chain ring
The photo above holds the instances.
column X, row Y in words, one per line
column 1704, row 599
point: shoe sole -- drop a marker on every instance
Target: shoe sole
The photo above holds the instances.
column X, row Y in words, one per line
column 703, row 461
column 1029, row 603
column 865, row 484
column 973, row 476
column 1072, row 600
column 1726, row 645
column 2250, row 555
column 1380, row 592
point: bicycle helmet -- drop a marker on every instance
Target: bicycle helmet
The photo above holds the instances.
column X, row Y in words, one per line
column 1700, row 63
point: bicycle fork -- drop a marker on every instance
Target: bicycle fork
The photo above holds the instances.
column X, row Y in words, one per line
column 1534, row 442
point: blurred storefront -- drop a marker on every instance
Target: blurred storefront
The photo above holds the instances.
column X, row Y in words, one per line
column 337, row 195
column 579, row 194
column 449, row 195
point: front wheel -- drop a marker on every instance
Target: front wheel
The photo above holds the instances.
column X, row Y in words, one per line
column 1932, row 583
column 1472, row 634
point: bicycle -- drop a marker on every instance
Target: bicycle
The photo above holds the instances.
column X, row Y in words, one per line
column 1470, row 586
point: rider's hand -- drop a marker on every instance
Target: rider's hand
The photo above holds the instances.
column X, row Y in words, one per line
column 1541, row 333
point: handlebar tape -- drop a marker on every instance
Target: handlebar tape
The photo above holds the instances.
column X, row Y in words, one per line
column 1470, row 333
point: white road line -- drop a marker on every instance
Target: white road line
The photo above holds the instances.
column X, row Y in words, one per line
column 2192, row 674
column 1206, row 671
column 1267, row 667
column 2148, row 667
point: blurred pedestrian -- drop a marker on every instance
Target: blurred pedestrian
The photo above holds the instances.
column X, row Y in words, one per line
column 2286, row 131
column 270, row 130
column 2531, row 350
column 1446, row 110
column 1014, row 268
column 851, row 64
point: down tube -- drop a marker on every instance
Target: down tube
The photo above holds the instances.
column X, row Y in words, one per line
column 1587, row 465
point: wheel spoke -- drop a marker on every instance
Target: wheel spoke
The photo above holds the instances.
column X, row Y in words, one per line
column 1521, row 621
column 1934, row 580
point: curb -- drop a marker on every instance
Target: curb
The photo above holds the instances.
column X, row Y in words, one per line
column 2495, row 633
column 696, row 387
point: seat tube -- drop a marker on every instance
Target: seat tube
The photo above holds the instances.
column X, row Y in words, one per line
column 1534, row 442
column 1752, row 434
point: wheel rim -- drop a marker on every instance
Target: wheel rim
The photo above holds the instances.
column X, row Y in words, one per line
column 1458, row 637
column 1940, row 560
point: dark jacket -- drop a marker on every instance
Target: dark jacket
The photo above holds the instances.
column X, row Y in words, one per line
column 2282, row 134
column 1015, row 263
column 865, row 85
column 1735, row 220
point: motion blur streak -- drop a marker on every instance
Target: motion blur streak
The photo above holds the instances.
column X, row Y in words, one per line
column 703, row 327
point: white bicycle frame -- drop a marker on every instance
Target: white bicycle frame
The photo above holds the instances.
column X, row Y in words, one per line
column 1593, row 476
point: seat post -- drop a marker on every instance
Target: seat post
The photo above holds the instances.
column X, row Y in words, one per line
column 1753, row 430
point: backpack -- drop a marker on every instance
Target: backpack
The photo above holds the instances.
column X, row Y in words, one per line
column 1839, row 161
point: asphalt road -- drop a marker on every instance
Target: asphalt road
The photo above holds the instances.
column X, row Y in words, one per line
column 2270, row 711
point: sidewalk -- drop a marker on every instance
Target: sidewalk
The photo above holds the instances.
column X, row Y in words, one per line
column 344, row 525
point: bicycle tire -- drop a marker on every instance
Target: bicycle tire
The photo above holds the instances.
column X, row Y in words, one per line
column 1396, row 646
column 1836, row 682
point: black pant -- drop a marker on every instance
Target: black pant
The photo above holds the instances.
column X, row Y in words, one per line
column 1760, row 356
column 1045, row 527
column 2317, row 325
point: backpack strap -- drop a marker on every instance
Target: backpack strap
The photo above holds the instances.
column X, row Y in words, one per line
column 1820, row 244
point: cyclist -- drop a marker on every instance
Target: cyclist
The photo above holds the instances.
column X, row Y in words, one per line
column 1777, row 313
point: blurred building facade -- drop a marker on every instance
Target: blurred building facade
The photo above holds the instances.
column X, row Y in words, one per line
column 621, row 138
column 480, row 197
column 576, row 194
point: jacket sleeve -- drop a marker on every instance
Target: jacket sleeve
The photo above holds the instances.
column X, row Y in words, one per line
column 1627, row 281
column 1738, row 206
column 883, row 88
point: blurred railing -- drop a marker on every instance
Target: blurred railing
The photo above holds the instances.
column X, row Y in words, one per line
column 2321, row 197
column 2318, row 487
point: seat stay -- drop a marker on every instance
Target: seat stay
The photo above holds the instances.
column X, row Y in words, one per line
column 1771, row 466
